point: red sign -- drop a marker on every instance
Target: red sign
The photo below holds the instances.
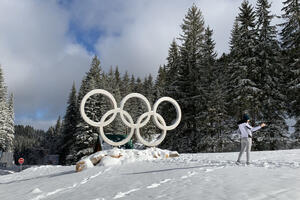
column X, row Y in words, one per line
column 21, row 161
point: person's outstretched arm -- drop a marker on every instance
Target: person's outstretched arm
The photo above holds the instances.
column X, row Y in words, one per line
column 255, row 128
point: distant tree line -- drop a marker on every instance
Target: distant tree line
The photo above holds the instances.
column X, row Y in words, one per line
column 35, row 145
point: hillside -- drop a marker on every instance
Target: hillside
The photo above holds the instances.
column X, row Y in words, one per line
column 272, row 175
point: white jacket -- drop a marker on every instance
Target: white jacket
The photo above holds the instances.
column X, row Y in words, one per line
column 246, row 130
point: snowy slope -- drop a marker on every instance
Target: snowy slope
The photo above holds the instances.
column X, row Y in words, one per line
column 273, row 175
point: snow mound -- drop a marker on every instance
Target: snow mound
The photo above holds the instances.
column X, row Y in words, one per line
column 36, row 191
column 122, row 156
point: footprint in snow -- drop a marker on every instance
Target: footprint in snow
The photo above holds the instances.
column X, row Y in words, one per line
column 209, row 170
column 190, row 174
column 123, row 194
column 154, row 185
column 93, row 176
column 36, row 190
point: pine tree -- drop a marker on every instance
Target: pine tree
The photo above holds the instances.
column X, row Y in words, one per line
column 160, row 84
column 58, row 126
column 269, row 79
column 49, row 140
column 214, row 112
column 209, row 54
column 125, row 85
column 291, row 27
column 117, row 77
column 189, row 85
column 167, row 82
column 86, row 136
column 112, row 85
column 10, row 124
column 57, row 137
column 131, row 105
column 139, row 107
column 172, row 67
column 192, row 72
column 3, row 110
column 171, row 73
column 69, row 127
column 150, row 131
column 6, row 117
column 242, row 88
column 290, row 37
column 234, row 38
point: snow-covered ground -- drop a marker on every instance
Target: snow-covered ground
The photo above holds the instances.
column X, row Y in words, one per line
column 272, row 175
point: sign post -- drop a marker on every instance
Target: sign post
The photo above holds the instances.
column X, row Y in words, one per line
column 21, row 161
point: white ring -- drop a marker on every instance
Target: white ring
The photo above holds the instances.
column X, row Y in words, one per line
column 178, row 113
column 161, row 138
column 108, row 141
column 122, row 104
column 85, row 98
column 157, row 118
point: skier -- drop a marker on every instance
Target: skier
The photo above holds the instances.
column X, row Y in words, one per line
column 246, row 137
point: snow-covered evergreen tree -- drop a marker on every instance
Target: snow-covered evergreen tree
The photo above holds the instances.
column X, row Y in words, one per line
column 172, row 67
column 214, row 115
column 3, row 112
column 208, row 84
column 190, row 83
column 69, row 125
column 242, row 89
column 209, row 54
column 170, row 75
column 112, row 85
column 125, row 85
column 160, row 83
column 10, row 129
column 270, row 78
column 234, row 38
column 86, row 136
column 150, row 131
column 290, row 37
column 140, row 106
column 6, row 118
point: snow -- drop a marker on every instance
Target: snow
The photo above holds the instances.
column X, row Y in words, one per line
column 291, row 121
column 109, row 161
column 271, row 175
column 117, row 156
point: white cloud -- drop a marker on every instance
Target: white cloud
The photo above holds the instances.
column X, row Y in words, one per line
column 39, row 59
column 137, row 34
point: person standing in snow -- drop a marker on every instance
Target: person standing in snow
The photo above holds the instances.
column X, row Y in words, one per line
column 246, row 137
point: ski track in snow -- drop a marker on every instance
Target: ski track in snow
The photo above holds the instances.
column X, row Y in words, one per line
column 65, row 189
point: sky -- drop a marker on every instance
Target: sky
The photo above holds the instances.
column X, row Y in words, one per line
column 45, row 46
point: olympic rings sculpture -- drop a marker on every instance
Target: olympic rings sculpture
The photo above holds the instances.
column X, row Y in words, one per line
column 158, row 119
